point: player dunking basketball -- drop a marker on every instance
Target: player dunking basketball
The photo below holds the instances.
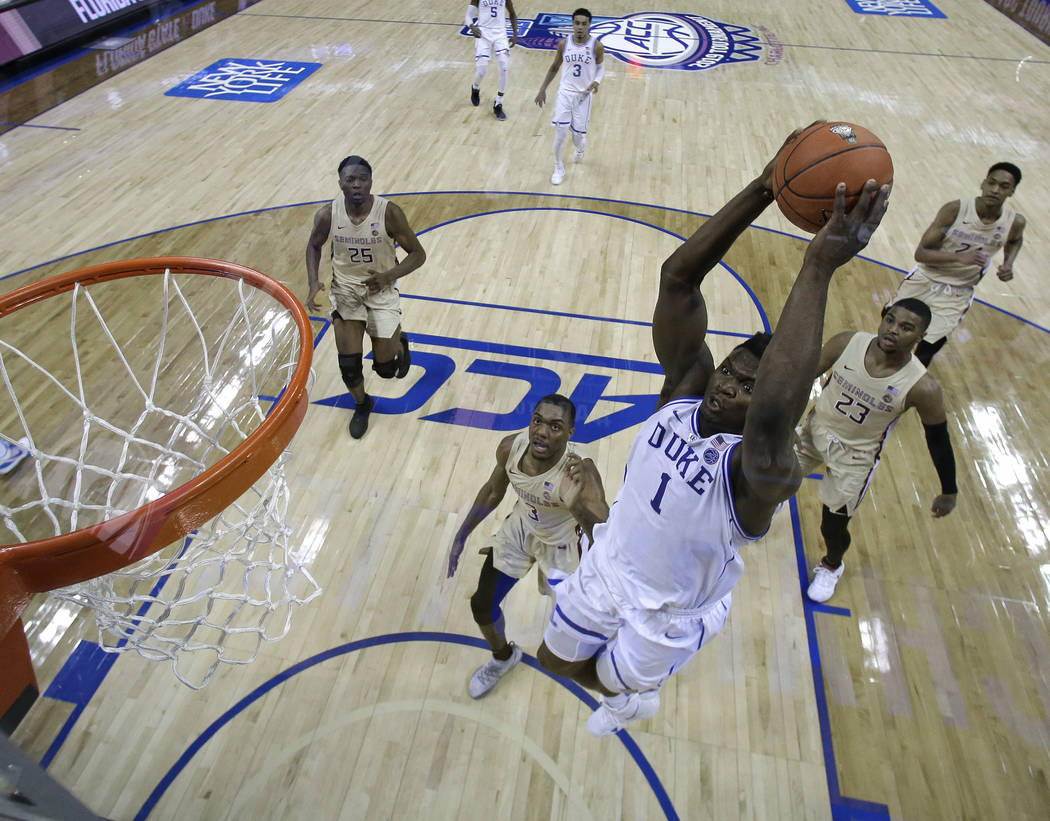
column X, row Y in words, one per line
column 363, row 228
column 704, row 476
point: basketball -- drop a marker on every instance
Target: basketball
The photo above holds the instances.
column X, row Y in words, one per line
column 807, row 170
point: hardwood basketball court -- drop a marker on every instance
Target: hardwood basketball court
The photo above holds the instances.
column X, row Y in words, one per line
column 920, row 691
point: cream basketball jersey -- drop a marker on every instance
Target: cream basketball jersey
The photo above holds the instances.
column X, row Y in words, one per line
column 857, row 409
column 539, row 497
column 356, row 248
column 673, row 533
column 577, row 66
column 968, row 231
column 492, row 18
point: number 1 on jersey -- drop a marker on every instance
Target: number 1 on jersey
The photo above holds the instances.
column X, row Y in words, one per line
column 654, row 503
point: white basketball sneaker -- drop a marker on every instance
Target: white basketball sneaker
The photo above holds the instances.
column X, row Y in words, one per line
column 488, row 674
column 558, row 175
column 608, row 719
column 824, row 580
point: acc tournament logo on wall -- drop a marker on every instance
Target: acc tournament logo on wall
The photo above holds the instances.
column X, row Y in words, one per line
column 651, row 39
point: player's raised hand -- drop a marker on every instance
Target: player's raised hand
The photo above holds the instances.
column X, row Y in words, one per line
column 845, row 235
column 572, row 483
column 583, row 493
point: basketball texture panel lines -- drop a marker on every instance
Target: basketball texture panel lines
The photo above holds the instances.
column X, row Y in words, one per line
column 811, row 182
column 808, row 169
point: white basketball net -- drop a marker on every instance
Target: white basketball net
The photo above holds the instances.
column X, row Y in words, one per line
column 162, row 377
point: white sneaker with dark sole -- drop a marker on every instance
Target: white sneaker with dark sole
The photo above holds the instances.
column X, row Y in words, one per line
column 488, row 674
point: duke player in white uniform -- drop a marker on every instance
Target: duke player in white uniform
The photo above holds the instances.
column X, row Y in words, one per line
column 363, row 229
column 956, row 251
column 541, row 529
column 581, row 59
column 874, row 379
column 704, row 476
column 487, row 21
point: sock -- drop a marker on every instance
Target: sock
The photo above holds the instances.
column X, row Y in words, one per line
column 499, row 98
column 560, row 133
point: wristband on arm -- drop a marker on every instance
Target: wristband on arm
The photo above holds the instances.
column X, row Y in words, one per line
column 940, row 445
column 472, row 16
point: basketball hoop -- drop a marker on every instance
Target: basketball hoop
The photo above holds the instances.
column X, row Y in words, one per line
column 155, row 490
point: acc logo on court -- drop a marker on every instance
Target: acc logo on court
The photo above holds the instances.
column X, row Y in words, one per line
column 601, row 410
column 652, row 39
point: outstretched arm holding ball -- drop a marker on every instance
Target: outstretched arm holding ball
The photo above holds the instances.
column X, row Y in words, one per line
column 680, row 317
column 765, row 470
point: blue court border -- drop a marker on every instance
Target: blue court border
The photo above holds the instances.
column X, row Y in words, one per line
column 88, row 665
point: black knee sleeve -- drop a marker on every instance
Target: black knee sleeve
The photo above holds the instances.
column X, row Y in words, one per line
column 387, row 370
column 834, row 527
column 351, row 369
column 493, row 586
column 481, row 605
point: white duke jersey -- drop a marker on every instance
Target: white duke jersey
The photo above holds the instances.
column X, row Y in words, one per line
column 539, row 497
column 857, row 409
column 492, row 18
column 673, row 533
column 968, row 231
column 356, row 248
column 578, row 66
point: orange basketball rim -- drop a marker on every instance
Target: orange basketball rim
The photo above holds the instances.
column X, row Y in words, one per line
column 70, row 558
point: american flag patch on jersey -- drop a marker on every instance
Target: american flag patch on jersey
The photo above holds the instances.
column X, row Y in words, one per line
column 719, row 442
